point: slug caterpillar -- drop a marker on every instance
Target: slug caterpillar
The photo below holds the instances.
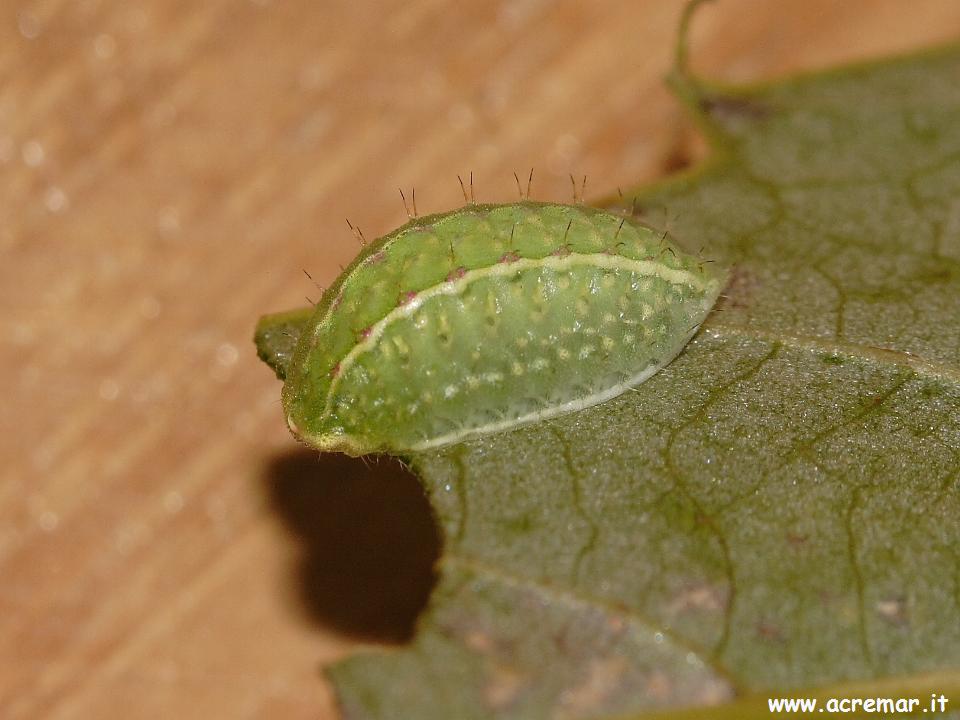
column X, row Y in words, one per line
column 489, row 317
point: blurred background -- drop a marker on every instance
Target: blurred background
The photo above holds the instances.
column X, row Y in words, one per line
column 168, row 168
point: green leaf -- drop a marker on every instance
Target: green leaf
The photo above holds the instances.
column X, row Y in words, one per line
column 777, row 509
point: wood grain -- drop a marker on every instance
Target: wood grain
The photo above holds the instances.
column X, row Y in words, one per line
column 168, row 169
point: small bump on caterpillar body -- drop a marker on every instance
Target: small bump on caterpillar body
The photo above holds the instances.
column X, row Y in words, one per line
column 489, row 317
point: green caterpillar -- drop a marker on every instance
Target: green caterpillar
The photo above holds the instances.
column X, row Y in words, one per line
column 482, row 319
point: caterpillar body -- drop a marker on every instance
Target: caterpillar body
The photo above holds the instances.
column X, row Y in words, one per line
column 488, row 317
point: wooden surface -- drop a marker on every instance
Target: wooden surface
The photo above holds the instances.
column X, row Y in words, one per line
column 167, row 168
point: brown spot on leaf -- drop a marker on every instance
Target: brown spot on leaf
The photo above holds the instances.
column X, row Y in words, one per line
column 713, row 692
column 659, row 686
column 797, row 540
column 479, row 642
column 738, row 294
column 701, row 597
column 504, row 685
column 770, row 632
column 602, row 678
column 826, row 597
column 731, row 107
column 616, row 624
column 704, row 520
